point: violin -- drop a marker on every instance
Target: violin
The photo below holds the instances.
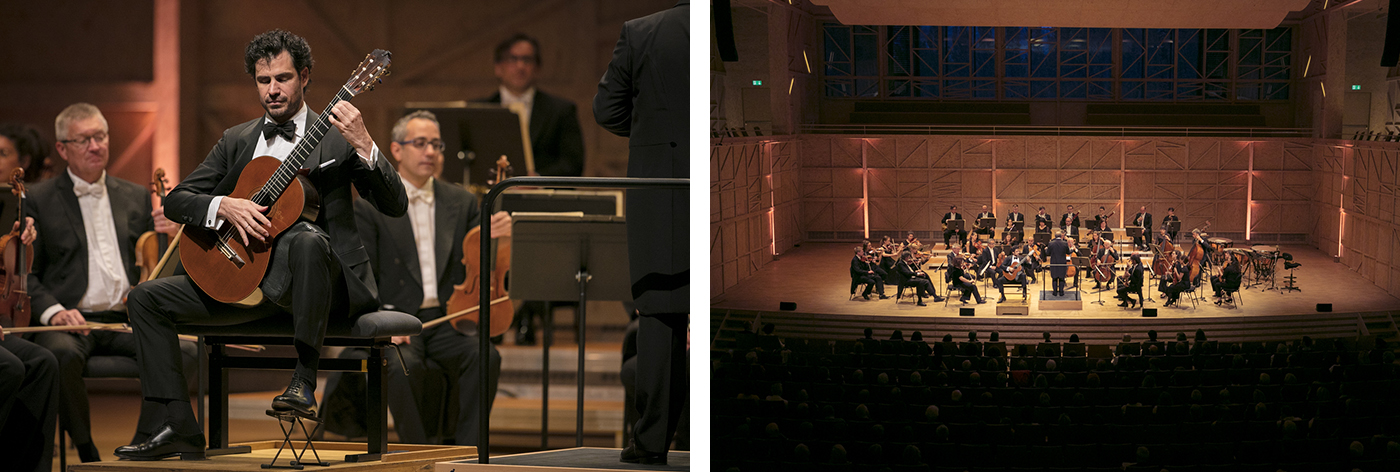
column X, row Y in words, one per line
column 465, row 302
column 152, row 244
column 18, row 259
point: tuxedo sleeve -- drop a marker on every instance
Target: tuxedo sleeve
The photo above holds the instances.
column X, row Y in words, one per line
column 380, row 185
column 189, row 202
column 367, row 224
column 612, row 106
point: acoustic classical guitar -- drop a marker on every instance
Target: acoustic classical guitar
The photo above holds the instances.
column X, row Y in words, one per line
column 217, row 260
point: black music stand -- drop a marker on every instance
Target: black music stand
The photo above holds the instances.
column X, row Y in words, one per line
column 1019, row 228
column 1081, row 264
column 1131, row 233
column 1042, row 238
column 989, row 224
column 1174, row 227
column 569, row 259
column 956, row 226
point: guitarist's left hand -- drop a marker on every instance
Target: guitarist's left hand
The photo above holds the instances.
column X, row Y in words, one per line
column 347, row 119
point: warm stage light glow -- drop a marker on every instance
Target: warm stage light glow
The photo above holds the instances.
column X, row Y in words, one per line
column 1306, row 66
column 1341, row 222
column 1249, row 195
column 865, row 194
column 1324, row 89
column 790, row 82
column 772, row 232
column 808, row 62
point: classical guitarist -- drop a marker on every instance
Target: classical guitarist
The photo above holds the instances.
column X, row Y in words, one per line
column 318, row 268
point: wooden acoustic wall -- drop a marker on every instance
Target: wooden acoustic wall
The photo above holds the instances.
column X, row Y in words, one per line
column 753, row 207
column 909, row 182
column 1357, row 195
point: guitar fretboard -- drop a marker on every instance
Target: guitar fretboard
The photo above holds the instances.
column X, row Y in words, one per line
column 274, row 187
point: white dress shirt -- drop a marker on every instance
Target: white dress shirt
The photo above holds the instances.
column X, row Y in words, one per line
column 526, row 101
column 278, row 147
column 107, row 283
column 423, row 221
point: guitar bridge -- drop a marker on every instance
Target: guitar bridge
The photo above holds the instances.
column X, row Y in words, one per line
column 228, row 252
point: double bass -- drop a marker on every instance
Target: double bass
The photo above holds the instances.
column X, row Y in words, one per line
column 1193, row 260
column 465, row 303
column 18, row 259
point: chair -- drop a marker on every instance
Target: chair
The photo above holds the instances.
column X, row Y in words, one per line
column 857, row 289
column 370, row 330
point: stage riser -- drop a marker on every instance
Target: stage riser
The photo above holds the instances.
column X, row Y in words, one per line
column 1027, row 330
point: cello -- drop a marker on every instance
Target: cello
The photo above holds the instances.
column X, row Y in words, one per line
column 464, row 305
column 1103, row 267
column 17, row 259
column 152, row 244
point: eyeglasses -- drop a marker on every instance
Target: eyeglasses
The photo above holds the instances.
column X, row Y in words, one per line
column 436, row 144
column 101, row 138
column 514, row 58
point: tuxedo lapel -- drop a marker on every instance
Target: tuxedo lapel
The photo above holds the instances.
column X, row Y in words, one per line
column 74, row 211
column 401, row 235
column 538, row 116
column 314, row 160
column 120, row 223
column 445, row 213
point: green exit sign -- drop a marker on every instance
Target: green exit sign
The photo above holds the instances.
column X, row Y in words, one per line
column 1356, row 87
column 760, row 82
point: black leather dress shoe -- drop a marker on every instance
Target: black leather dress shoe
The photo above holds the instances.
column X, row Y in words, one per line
column 166, row 442
column 298, row 398
column 88, row 452
column 635, row 455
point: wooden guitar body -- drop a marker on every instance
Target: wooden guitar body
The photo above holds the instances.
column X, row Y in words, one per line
column 234, row 279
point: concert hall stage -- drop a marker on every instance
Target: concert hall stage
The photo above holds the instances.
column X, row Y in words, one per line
column 401, row 458
column 582, row 459
column 816, row 277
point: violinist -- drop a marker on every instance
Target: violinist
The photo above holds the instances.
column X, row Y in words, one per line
column 911, row 276
column 1069, row 222
column 1132, row 283
column 417, row 260
column 1227, row 282
column 1166, row 220
column 863, row 271
column 987, row 258
column 1043, row 221
column 1143, row 220
column 85, row 263
column 990, row 231
column 952, row 214
column 912, row 242
column 28, row 399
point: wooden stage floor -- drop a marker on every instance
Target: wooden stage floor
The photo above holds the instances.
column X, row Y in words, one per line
column 816, row 276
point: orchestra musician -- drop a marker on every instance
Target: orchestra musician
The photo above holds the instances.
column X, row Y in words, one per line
column 948, row 233
column 912, row 243
column 1169, row 276
column 1043, row 221
column 28, row 404
column 1162, row 235
column 1228, row 281
column 1131, row 284
column 989, row 230
column 863, row 272
column 1142, row 219
column 322, row 266
column 1058, row 252
column 1179, row 282
column 1069, row 222
column 1171, row 216
column 912, row 277
column 1101, row 224
column 1102, row 254
column 964, row 279
column 1012, row 270
column 1015, row 226
column 1200, row 239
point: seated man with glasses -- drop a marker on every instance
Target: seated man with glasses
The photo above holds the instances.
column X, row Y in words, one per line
column 417, row 259
column 556, row 141
column 84, row 263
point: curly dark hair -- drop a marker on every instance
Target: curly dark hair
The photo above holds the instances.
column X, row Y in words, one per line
column 504, row 48
column 272, row 43
column 30, row 145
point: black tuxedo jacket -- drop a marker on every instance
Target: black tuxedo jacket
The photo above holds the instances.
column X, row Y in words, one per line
column 393, row 254
column 60, row 252
column 334, row 166
column 644, row 95
column 1058, row 252
column 1016, row 216
column 556, row 141
column 1146, row 221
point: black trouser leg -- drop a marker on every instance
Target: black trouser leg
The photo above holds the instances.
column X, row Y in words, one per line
column 450, row 347
column 72, row 352
column 663, row 381
column 318, row 287
column 28, row 405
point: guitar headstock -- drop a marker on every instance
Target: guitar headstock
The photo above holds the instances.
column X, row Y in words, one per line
column 158, row 182
column 17, row 181
column 369, row 73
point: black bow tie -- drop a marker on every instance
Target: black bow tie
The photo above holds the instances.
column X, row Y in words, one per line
column 288, row 130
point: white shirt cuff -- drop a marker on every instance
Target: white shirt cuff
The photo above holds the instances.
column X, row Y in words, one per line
column 211, row 218
column 49, row 312
column 370, row 160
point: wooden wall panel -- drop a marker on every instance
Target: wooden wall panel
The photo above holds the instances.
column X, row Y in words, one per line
column 754, row 208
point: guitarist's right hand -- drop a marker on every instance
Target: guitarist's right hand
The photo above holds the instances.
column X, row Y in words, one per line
column 247, row 217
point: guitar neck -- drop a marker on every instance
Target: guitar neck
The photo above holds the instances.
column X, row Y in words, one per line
column 292, row 164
